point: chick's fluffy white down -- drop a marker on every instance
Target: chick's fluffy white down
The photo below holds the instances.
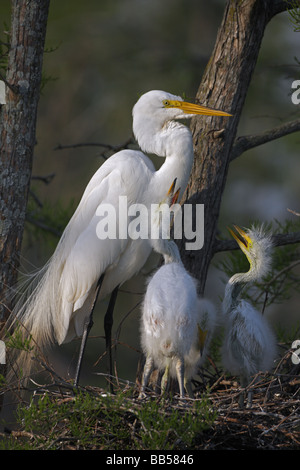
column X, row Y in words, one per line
column 169, row 314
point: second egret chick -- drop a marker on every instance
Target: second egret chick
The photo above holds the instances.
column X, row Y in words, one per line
column 249, row 344
column 176, row 326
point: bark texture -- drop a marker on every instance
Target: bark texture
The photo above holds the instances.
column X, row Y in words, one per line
column 17, row 133
column 224, row 85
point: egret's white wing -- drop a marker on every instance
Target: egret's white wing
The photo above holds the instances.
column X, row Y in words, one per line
column 88, row 256
column 245, row 341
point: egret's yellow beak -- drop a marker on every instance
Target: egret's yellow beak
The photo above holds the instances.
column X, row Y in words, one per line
column 201, row 338
column 191, row 108
column 175, row 197
column 243, row 240
column 172, row 187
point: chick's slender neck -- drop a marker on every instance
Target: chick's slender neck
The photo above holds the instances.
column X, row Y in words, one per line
column 168, row 249
column 236, row 284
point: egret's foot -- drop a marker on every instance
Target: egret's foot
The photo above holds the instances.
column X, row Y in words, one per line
column 249, row 399
column 142, row 396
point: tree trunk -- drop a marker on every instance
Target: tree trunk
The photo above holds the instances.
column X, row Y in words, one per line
column 17, row 133
column 224, row 85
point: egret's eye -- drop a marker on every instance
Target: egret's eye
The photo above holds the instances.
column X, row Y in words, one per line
column 166, row 103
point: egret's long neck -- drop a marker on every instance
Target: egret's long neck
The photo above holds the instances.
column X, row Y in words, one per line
column 234, row 288
column 174, row 142
column 260, row 262
column 168, row 249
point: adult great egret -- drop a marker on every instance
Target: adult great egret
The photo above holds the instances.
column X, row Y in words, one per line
column 84, row 267
column 249, row 344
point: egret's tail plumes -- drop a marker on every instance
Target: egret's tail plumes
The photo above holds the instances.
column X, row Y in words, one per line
column 31, row 325
column 42, row 314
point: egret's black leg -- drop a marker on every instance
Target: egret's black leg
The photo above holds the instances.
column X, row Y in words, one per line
column 87, row 327
column 108, row 323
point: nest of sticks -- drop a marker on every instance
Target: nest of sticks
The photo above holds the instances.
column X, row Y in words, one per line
column 272, row 422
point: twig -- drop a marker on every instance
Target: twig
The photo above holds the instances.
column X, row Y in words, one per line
column 294, row 212
column 282, row 271
column 279, row 239
column 118, row 331
column 248, row 142
column 114, row 148
column 43, row 226
column 45, row 179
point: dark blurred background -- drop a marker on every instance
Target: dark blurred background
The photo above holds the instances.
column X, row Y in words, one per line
column 100, row 57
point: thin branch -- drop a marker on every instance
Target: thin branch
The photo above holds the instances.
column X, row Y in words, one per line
column 279, row 239
column 45, row 179
column 244, row 143
column 115, row 148
column 294, row 212
column 277, row 275
column 35, row 198
column 43, row 226
column 83, row 144
column 279, row 6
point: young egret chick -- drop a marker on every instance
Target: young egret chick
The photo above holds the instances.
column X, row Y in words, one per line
column 249, row 344
column 176, row 327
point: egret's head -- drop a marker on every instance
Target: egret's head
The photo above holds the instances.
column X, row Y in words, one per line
column 257, row 245
column 164, row 107
column 156, row 108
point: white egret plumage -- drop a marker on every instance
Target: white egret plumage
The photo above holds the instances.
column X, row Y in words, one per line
column 176, row 325
column 249, row 344
column 84, row 267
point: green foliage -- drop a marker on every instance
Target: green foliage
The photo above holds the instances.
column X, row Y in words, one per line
column 4, row 49
column 45, row 77
column 294, row 14
column 162, row 430
column 108, row 422
column 18, row 341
